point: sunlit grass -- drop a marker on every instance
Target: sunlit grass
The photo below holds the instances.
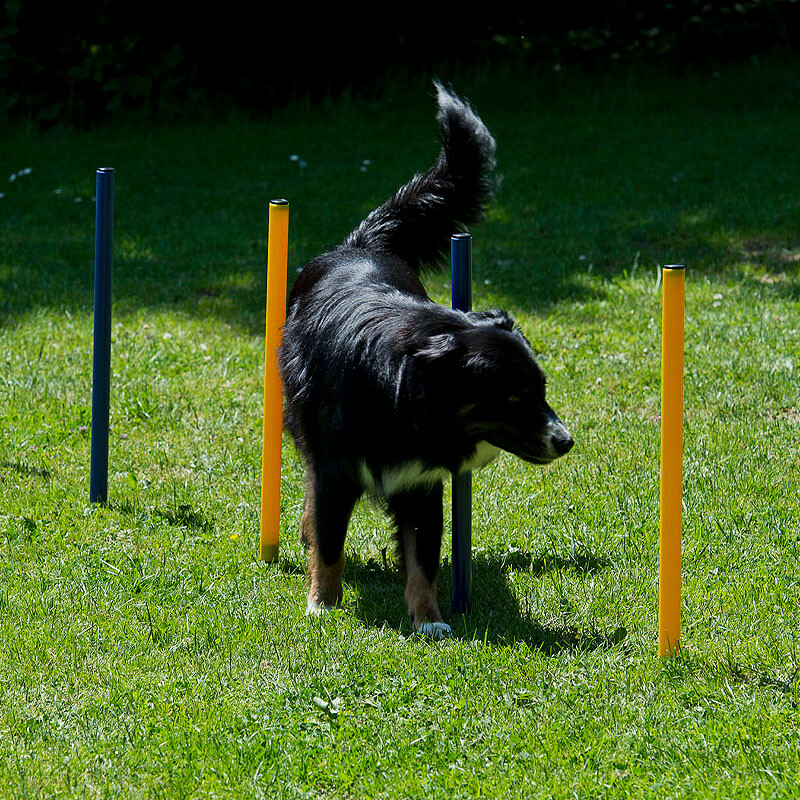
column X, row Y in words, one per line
column 145, row 651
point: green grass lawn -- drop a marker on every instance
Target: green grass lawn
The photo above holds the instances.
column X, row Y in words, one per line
column 144, row 649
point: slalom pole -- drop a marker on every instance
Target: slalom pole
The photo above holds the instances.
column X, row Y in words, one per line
column 669, row 567
column 277, row 256
column 101, row 356
column 461, row 282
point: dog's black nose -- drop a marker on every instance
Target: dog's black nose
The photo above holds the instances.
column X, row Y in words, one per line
column 562, row 442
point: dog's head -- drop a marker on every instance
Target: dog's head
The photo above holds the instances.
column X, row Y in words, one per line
column 490, row 372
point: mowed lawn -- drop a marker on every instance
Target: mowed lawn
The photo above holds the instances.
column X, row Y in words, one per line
column 144, row 649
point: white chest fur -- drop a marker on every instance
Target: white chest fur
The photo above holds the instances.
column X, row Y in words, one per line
column 413, row 474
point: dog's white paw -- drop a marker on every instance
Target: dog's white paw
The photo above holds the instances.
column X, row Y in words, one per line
column 436, row 631
column 315, row 609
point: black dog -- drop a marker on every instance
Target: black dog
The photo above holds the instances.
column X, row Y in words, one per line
column 389, row 393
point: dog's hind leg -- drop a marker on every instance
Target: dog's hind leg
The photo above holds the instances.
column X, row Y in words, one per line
column 307, row 520
column 419, row 530
column 330, row 497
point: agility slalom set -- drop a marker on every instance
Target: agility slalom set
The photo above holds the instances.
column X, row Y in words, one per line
column 672, row 347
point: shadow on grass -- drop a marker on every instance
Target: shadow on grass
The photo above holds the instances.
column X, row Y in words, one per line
column 181, row 516
column 497, row 617
column 781, row 678
column 26, row 470
column 586, row 194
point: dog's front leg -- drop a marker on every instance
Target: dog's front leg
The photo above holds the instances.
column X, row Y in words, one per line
column 329, row 502
column 419, row 530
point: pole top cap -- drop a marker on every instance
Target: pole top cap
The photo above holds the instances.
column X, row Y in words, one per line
column 674, row 266
column 461, row 236
column 105, row 169
column 279, row 202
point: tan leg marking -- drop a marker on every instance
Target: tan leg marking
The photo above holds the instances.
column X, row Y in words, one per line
column 324, row 581
column 420, row 593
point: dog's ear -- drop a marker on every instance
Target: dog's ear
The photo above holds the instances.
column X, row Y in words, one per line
column 437, row 346
column 495, row 318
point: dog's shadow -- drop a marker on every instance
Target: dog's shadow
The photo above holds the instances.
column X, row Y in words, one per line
column 497, row 616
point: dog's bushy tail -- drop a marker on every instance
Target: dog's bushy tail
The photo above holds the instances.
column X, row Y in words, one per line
column 417, row 222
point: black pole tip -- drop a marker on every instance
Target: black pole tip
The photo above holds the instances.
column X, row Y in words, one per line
column 461, row 236
column 674, row 266
column 279, row 202
column 105, row 169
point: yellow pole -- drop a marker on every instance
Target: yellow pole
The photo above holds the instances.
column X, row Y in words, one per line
column 277, row 255
column 669, row 568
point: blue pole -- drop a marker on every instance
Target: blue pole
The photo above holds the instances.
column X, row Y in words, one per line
column 461, row 282
column 101, row 365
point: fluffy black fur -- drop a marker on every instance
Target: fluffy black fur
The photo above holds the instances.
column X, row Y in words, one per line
column 386, row 391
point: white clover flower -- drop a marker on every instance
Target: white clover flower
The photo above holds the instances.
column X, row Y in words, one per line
column 24, row 171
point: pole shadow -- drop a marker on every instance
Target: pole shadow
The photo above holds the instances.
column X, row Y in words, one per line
column 26, row 470
column 181, row 516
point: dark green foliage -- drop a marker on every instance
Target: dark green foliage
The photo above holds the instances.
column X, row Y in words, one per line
column 79, row 64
